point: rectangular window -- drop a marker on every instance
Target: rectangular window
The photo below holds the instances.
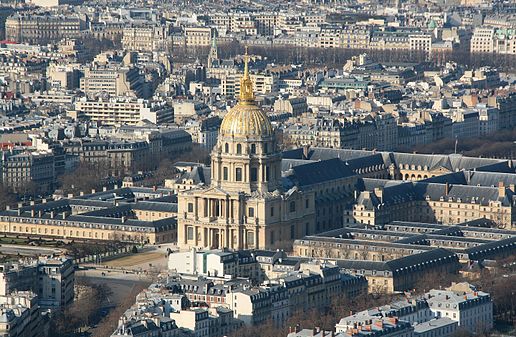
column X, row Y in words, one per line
column 189, row 233
column 254, row 174
column 190, row 207
column 225, row 173
column 250, row 238
column 251, row 212
column 238, row 174
column 292, row 231
column 307, row 203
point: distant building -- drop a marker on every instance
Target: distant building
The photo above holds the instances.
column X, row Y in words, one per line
column 32, row 28
column 122, row 111
column 52, row 279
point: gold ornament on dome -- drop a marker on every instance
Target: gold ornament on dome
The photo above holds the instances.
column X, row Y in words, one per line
column 246, row 119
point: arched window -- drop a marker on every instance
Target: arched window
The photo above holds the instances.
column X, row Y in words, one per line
column 226, row 147
column 239, row 148
column 238, row 174
column 253, row 148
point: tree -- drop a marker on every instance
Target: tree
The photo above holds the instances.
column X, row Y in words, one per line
column 7, row 197
column 84, row 178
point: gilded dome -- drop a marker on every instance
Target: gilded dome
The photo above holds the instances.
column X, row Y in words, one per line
column 246, row 119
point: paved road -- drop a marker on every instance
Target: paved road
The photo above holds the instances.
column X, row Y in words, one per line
column 120, row 284
column 27, row 250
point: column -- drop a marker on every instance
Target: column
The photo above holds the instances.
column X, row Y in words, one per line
column 256, row 236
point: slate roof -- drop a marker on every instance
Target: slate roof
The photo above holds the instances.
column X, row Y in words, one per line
column 395, row 192
column 319, row 172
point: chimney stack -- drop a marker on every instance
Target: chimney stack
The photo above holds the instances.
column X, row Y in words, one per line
column 379, row 193
column 446, row 189
column 93, row 191
column 501, row 190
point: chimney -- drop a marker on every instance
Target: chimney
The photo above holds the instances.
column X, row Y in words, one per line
column 81, row 193
column 123, row 219
column 19, row 211
column 32, row 213
column 32, row 203
column 20, row 204
column 93, row 191
column 379, row 193
column 306, row 151
column 52, row 214
column 44, row 201
column 446, row 189
column 64, row 215
column 70, row 195
column 7, row 207
column 104, row 189
column 501, row 190
column 40, row 213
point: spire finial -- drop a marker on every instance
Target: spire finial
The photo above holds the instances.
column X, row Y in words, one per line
column 246, row 85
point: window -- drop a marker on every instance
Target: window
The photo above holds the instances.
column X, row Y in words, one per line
column 190, row 207
column 226, row 147
column 250, row 238
column 225, row 173
column 307, row 203
column 292, row 231
column 272, row 211
column 253, row 148
column 265, row 148
column 254, row 174
column 238, row 174
column 239, row 149
column 251, row 212
column 292, row 206
column 189, row 233
column 272, row 238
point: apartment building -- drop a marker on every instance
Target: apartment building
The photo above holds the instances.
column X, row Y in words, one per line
column 493, row 40
column 473, row 310
column 113, row 80
column 22, row 315
column 52, row 279
column 21, row 169
column 122, row 111
column 42, row 29
column 198, row 36
column 146, row 39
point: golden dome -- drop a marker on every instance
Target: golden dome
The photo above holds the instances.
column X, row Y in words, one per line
column 246, row 119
